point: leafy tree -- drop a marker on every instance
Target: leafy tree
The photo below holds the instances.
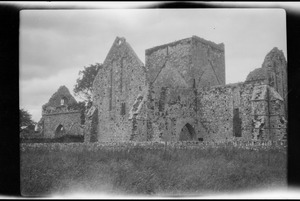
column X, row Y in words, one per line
column 84, row 84
column 81, row 107
column 25, row 118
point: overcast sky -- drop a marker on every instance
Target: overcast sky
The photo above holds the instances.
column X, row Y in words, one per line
column 56, row 44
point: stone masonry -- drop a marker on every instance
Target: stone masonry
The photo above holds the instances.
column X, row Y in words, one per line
column 180, row 95
column 115, row 88
column 59, row 116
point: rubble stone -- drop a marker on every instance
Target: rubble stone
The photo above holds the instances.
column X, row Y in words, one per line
column 180, row 95
column 59, row 115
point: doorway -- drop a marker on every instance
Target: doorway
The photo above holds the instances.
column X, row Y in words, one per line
column 59, row 131
column 187, row 133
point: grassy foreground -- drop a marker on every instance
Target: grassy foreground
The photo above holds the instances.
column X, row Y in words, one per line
column 138, row 171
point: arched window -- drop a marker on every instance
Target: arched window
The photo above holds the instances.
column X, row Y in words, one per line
column 187, row 133
column 59, row 131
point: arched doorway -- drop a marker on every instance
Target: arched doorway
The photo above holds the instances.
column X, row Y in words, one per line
column 187, row 133
column 59, row 131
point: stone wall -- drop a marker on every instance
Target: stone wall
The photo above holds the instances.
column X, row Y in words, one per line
column 191, row 62
column 274, row 73
column 208, row 63
column 180, row 95
column 60, row 100
column 125, row 146
column 60, row 115
column 175, row 73
column 69, row 120
column 115, row 87
column 242, row 111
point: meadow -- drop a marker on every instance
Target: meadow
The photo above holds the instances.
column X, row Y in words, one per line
column 143, row 171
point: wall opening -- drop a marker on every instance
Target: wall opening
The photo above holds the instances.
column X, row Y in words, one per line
column 187, row 133
column 59, row 131
column 110, row 90
column 237, row 123
column 121, row 75
column 162, row 99
column 123, row 108
column 94, row 127
column 63, row 101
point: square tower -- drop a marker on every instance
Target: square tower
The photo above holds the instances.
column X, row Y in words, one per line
column 192, row 63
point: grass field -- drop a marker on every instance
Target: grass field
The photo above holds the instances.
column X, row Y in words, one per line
column 138, row 171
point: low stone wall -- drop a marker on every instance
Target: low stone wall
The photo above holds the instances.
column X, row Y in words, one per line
column 253, row 145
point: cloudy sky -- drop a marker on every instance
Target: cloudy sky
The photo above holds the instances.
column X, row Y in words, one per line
column 56, row 44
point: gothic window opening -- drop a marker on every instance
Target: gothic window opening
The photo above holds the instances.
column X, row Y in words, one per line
column 110, row 90
column 161, row 104
column 59, row 131
column 187, row 133
column 237, row 123
column 121, row 75
column 123, row 108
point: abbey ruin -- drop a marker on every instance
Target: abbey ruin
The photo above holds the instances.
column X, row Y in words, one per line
column 180, row 95
column 60, row 115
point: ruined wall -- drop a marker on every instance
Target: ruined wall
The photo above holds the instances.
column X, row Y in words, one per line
column 180, row 95
column 168, row 64
column 242, row 111
column 175, row 72
column 180, row 110
column 116, row 86
column 274, row 73
column 276, row 66
column 69, row 120
column 277, row 112
column 62, row 98
column 208, row 63
column 169, row 111
column 91, row 125
column 139, row 117
column 192, row 62
column 126, row 146
column 59, row 115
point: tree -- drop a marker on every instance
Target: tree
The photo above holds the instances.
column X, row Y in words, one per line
column 84, row 84
column 25, row 118
column 81, row 107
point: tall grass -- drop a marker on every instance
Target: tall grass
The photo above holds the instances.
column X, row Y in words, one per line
column 139, row 171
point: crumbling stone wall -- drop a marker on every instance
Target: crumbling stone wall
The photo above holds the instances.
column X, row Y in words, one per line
column 273, row 72
column 208, row 63
column 91, row 125
column 60, row 101
column 169, row 111
column 191, row 62
column 175, row 73
column 138, row 116
column 126, row 146
column 115, row 87
column 180, row 95
column 259, row 107
column 59, row 115
column 69, row 120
